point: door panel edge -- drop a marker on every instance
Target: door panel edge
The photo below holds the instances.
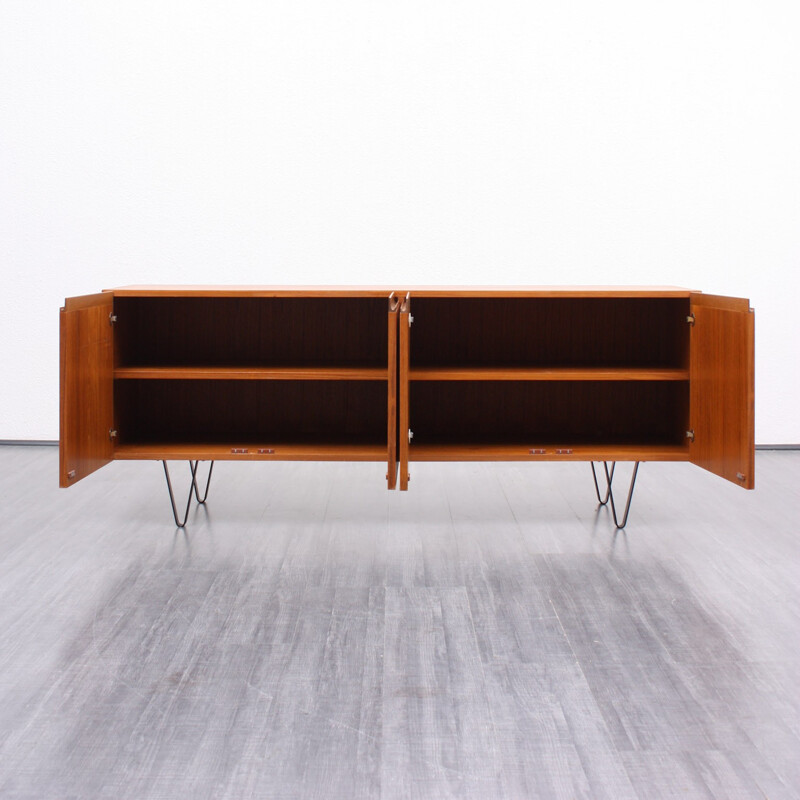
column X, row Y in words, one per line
column 392, row 378
column 86, row 381
column 722, row 388
column 403, row 389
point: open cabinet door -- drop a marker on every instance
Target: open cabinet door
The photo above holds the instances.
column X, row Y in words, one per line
column 87, row 386
column 721, row 373
column 391, row 475
column 404, row 434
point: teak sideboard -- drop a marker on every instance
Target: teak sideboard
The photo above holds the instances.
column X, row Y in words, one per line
column 598, row 374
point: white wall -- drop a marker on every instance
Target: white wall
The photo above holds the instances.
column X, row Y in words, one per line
column 309, row 141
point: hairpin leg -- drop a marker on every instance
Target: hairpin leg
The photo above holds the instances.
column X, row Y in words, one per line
column 192, row 490
column 208, row 483
column 610, row 493
column 608, row 483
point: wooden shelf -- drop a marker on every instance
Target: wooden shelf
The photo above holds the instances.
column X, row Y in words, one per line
column 522, row 452
column 279, row 373
column 547, row 374
column 237, row 451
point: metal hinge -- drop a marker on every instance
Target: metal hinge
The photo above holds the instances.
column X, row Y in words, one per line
column 410, row 320
column 690, row 435
column 410, row 435
column 690, row 319
column 112, row 318
column 112, row 433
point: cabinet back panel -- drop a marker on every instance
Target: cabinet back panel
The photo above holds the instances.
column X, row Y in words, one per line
column 222, row 411
column 194, row 331
column 650, row 332
column 554, row 411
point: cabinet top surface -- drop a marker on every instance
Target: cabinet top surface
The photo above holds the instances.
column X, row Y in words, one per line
column 385, row 291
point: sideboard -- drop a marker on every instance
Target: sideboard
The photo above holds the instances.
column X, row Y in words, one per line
column 351, row 373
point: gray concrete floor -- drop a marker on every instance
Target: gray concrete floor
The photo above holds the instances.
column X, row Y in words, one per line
column 311, row 635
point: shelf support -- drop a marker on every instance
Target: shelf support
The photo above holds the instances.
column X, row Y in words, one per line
column 193, row 490
column 610, row 494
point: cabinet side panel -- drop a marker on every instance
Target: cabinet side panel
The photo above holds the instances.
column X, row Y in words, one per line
column 86, row 398
column 722, row 391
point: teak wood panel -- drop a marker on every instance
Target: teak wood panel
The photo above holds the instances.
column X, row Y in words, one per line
column 546, row 374
column 722, row 387
column 86, row 377
column 547, row 451
column 403, row 390
column 249, row 450
column 282, row 373
column 179, row 290
column 391, row 415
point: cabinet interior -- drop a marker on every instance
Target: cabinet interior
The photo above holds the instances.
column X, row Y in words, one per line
column 553, row 351
column 229, row 333
column 226, row 336
column 549, row 412
column 250, row 331
column 550, row 332
column 266, row 412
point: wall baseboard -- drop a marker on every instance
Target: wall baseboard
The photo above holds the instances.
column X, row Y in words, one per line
column 30, row 442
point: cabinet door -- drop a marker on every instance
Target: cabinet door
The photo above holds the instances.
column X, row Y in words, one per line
column 87, row 385
column 403, row 393
column 721, row 374
column 391, row 475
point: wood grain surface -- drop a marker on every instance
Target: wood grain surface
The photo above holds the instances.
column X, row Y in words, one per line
column 466, row 373
column 159, row 290
column 86, row 393
column 404, row 413
column 272, row 373
column 722, row 379
column 391, row 391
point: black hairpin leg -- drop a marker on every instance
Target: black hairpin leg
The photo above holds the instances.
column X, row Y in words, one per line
column 193, row 490
column 610, row 493
column 608, row 484
column 208, row 483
